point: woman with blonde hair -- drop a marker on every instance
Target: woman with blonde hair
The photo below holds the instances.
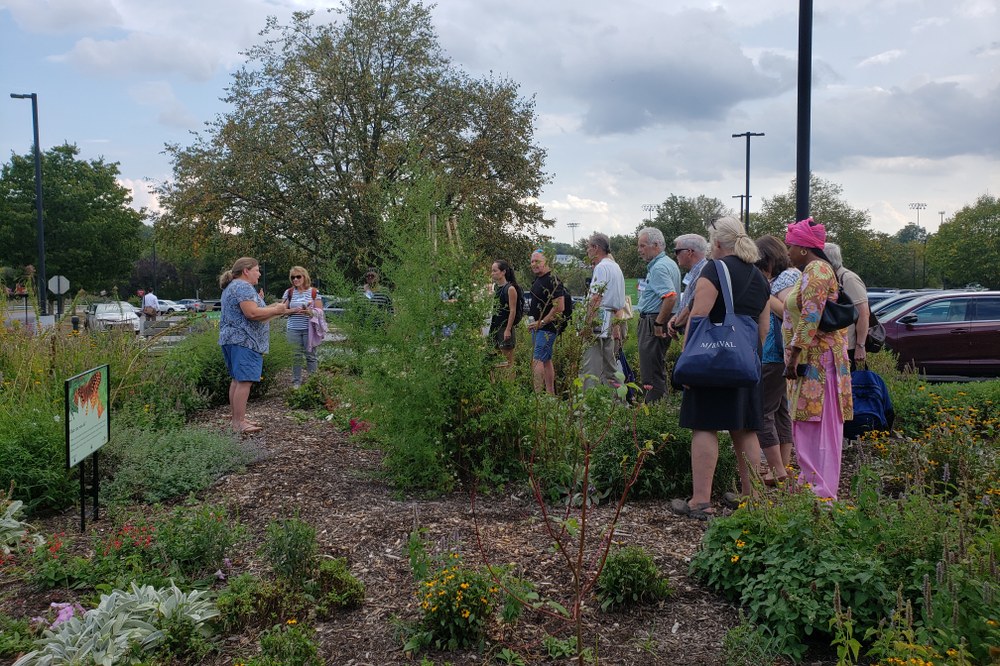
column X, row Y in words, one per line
column 301, row 296
column 816, row 361
column 707, row 410
column 244, row 335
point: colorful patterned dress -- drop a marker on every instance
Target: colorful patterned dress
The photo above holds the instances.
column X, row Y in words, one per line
column 820, row 401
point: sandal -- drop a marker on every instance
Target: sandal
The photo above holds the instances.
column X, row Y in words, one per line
column 731, row 500
column 248, row 430
column 701, row 511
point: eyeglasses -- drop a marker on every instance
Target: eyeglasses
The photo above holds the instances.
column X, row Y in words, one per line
column 296, row 277
column 678, row 250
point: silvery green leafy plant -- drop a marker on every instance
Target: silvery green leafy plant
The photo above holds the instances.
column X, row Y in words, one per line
column 124, row 624
column 13, row 531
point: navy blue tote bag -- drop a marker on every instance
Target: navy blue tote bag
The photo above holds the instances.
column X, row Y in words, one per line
column 720, row 355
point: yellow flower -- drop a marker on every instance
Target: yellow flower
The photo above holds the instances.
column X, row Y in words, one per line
column 465, row 613
column 740, row 543
column 734, row 559
column 292, row 621
column 464, row 586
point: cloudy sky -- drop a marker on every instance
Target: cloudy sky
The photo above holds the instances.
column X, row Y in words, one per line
column 636, row 99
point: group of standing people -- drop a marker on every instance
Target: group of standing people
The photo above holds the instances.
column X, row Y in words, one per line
column 800, row 402
column 804, row 395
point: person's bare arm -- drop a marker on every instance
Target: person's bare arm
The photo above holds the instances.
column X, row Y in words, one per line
column 254, row 312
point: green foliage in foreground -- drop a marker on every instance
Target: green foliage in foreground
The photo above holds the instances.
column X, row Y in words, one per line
column 153, row 466
column 783, row 559
column 124, row 625
column 630, row 577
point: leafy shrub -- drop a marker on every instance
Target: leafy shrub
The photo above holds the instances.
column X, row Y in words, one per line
column 157, row 465
column 290, row 548
column 123, row 624
column 193, row 540
column 247, row 600
column 14, row 533
column 783, row 562
column 317, row 391
column 667, row 472
column 630, row 577
column 198, row 358
column 456, row 603
column 290, row 643
column 15, row 636
column 338, row 588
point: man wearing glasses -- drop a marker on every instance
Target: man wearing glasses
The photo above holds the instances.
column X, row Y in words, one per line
column 690, row 251
column 656, row 302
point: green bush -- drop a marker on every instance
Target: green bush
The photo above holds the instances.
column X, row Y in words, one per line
column 16, row 636
column 289, row 643
column 247, row 601
column 456, row 603
column 337, row 587
column 630, row 577
column 782, row 561
column 153, row 466
column 290, row 548
column 747, row 645
column 667, row 472
column 193, row 541
column 198, row 359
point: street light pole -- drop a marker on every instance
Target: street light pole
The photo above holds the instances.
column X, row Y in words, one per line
column 40, row 223
column 919, row 207
column 746, row 220
column 741, row 197
column 572, row 228
column 649, row 208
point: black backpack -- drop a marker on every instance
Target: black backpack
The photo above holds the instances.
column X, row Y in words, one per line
column 567, row 313
column 519, row 311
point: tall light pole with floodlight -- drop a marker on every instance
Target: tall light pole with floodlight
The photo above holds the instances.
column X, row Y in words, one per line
column 572, row 228
column 918, row 206
column 649, row 208
column 40, row 222
column 746, row 219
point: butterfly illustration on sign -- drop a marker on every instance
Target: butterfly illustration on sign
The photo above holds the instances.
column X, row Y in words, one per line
column 91, row 395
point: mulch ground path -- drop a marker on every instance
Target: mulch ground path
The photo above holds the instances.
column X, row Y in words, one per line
column 306, row 467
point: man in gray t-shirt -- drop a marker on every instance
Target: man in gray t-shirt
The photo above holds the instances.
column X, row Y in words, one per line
column 607, row 296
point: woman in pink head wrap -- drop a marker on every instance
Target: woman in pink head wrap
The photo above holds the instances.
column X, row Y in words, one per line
column 819, row 394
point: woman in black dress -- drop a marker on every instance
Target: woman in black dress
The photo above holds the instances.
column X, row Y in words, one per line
column 706, row 411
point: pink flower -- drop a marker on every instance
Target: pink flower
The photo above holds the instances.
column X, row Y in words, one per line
column 358, row 425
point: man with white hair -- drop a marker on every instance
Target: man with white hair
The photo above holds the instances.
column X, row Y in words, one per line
column 690, row 251
column 656, row 302
column 607, row 296
column 854, row 287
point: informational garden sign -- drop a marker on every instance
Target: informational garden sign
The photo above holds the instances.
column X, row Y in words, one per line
column 88, row 426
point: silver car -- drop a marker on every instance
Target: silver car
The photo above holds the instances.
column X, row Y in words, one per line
column 107, row 316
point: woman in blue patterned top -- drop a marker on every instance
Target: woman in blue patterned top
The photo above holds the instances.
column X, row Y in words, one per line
column 244, row 335
column 301, row 296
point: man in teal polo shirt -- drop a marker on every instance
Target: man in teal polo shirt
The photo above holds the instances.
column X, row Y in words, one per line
column 656, row 303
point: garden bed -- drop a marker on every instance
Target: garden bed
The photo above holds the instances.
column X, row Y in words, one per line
column 309, row 469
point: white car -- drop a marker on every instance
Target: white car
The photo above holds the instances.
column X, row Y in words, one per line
column 170, row 307
column 114, row 315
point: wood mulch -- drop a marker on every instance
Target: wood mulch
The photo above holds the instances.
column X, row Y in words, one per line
column 307, row 468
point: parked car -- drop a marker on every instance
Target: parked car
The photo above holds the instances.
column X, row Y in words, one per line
column 895, row 302
column 193, row 304
column 108, row 316
column 170, row 307
column 947, row 333
column 212, row 305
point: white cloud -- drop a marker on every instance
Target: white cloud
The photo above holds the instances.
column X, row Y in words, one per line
column 142, row 194
column 63, row 16
column 882, row 58
column 576, row 204
column 160, row 95
column 144, row 54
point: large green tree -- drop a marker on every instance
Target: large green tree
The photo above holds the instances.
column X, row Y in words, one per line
column 966, row 249
column 91, row 232
column 329, row 120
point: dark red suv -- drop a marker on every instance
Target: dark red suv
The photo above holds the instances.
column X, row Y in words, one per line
column 948, row 333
